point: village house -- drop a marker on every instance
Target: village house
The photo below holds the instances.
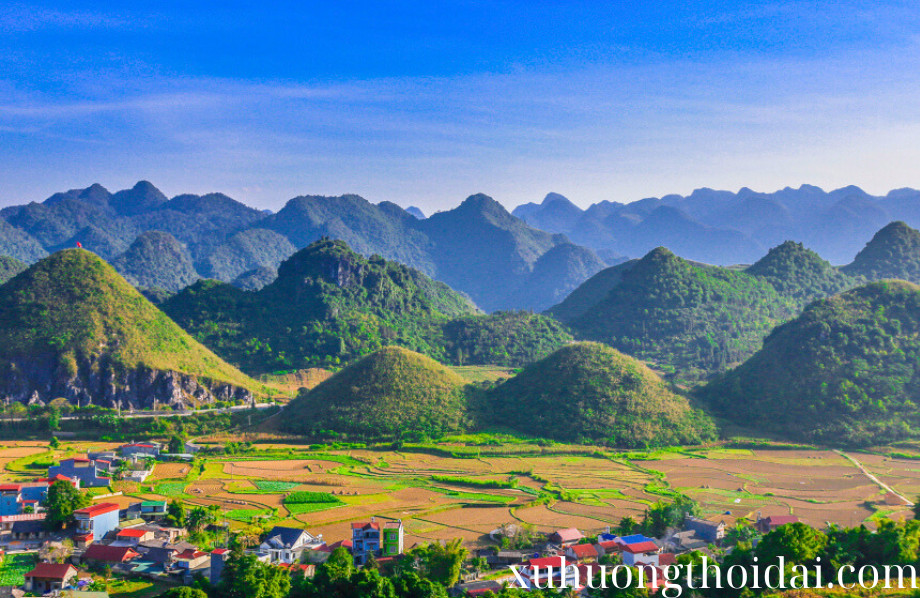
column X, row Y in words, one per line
column 219, row 556
column 161, row 552
column 133, row 536
column 88, row 471
column 605, row 547
column 139, row 450
column 582, row 552
column 94, row 522
column 48, row 577
column 566, row 537
column 392, row 538
column 641, row 553
column 286, row 544
column 153, row 508
column 767, row 524
column 7, row 521
column 29, row 530
column 708, row 530
column 111, row 555
column 633, row 539
column 191, row 559
column 365, row 541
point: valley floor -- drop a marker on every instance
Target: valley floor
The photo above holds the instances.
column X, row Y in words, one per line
column 459, row 489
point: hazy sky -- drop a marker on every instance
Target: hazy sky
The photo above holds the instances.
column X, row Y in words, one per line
column 425, row 103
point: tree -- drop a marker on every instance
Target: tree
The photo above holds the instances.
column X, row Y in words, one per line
column 201, row 517
column 54, row 443
column 176, row 444
column 244, row 576
column 184, row 592
column 627, row 525
column 62, row 500
column 797, row 542
column 175, row 513
column 438, row 562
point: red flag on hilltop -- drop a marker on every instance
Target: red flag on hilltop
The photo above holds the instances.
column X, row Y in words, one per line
column 80, row 245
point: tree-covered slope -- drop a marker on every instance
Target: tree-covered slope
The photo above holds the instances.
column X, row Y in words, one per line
column 555, row 274
column 590, row 292
column 683, row 316
column 71, row 327
column 328, row 304
column 800, row 274
column 10, row 267
column 391, row 393
column 157, row 260
column 506, row 338
column 847, row 371
column 246, row 251
column 19, row 244
column 588, row 392
column 894, row 252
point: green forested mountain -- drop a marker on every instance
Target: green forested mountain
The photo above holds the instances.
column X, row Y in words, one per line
column 71, row 327
column 894, row 252
column 800, row 274
column 157, row 260
column 331, row 305
column 676, row 314
column 590, row 293
column 391, row 393
column 10, row 267
column 847, row 371
column 327, row 304
column 18, row 244
column 503, row 338
column 244, row 252
column 588, row 392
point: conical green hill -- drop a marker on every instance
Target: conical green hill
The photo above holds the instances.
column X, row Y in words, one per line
column 71, row 326
column 391, row 393
column 589, row 392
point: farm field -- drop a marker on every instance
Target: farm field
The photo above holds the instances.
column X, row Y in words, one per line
column 469, row 488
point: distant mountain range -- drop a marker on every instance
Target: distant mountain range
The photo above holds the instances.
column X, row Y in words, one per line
column 724, row 228
column 477, row 248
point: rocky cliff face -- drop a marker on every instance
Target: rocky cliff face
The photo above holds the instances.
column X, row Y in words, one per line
column 41, row 379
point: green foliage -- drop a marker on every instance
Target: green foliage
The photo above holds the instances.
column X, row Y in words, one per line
column 10, row 267
column 510, row 339
column 587, row 392
column 244, row 576
column 680, row 315
column 72, row 311
column 328, row 305
column 847, row 371
column 14, row 567
column 894, row 252
column 60, row 503
column 474, row 482
column 800, row 274
column 157, row 260
column 392, row 393
column 440, row 563
column 184, row 592
column 303, row 497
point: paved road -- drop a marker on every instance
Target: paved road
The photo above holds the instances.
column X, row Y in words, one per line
column 142, row 414
column 880, row 483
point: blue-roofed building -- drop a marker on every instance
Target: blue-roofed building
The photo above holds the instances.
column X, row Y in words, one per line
column 633, row 539
column 87, row 471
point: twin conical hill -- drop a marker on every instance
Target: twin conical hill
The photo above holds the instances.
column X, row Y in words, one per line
column 391, row 393
column 847, row 371
column 71, row 327
column 588, row 392
column 894, row 252
column 799, row 273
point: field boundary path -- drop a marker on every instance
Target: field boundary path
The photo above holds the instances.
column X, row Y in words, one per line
column 880, row 483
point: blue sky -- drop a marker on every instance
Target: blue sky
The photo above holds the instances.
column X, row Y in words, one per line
column 425, row 103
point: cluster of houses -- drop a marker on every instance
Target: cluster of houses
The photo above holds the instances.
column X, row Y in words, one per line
column 569, row 558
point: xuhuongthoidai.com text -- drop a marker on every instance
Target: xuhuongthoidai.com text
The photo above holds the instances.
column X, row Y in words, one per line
column 672, row 580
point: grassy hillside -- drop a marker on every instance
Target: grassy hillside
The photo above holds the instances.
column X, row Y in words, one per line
column 800, row 274
column 10, row 267
column 681, row 316
column 894, row 252
column 391, row 393
column 847, row 371
column 73, row 309
column 588, row 392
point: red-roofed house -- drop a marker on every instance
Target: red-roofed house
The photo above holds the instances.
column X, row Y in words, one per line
column 609, row 547
column 768, row 524
column 641, row 553
column 191, row 559
column 365, row 540
column 95, row 521
column 666, row 559
column 582, row 552
column 47, row 577
column 99, row 553
column 566, row 537
column 133, row 536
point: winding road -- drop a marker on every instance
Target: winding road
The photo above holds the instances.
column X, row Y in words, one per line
column 879, row 482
